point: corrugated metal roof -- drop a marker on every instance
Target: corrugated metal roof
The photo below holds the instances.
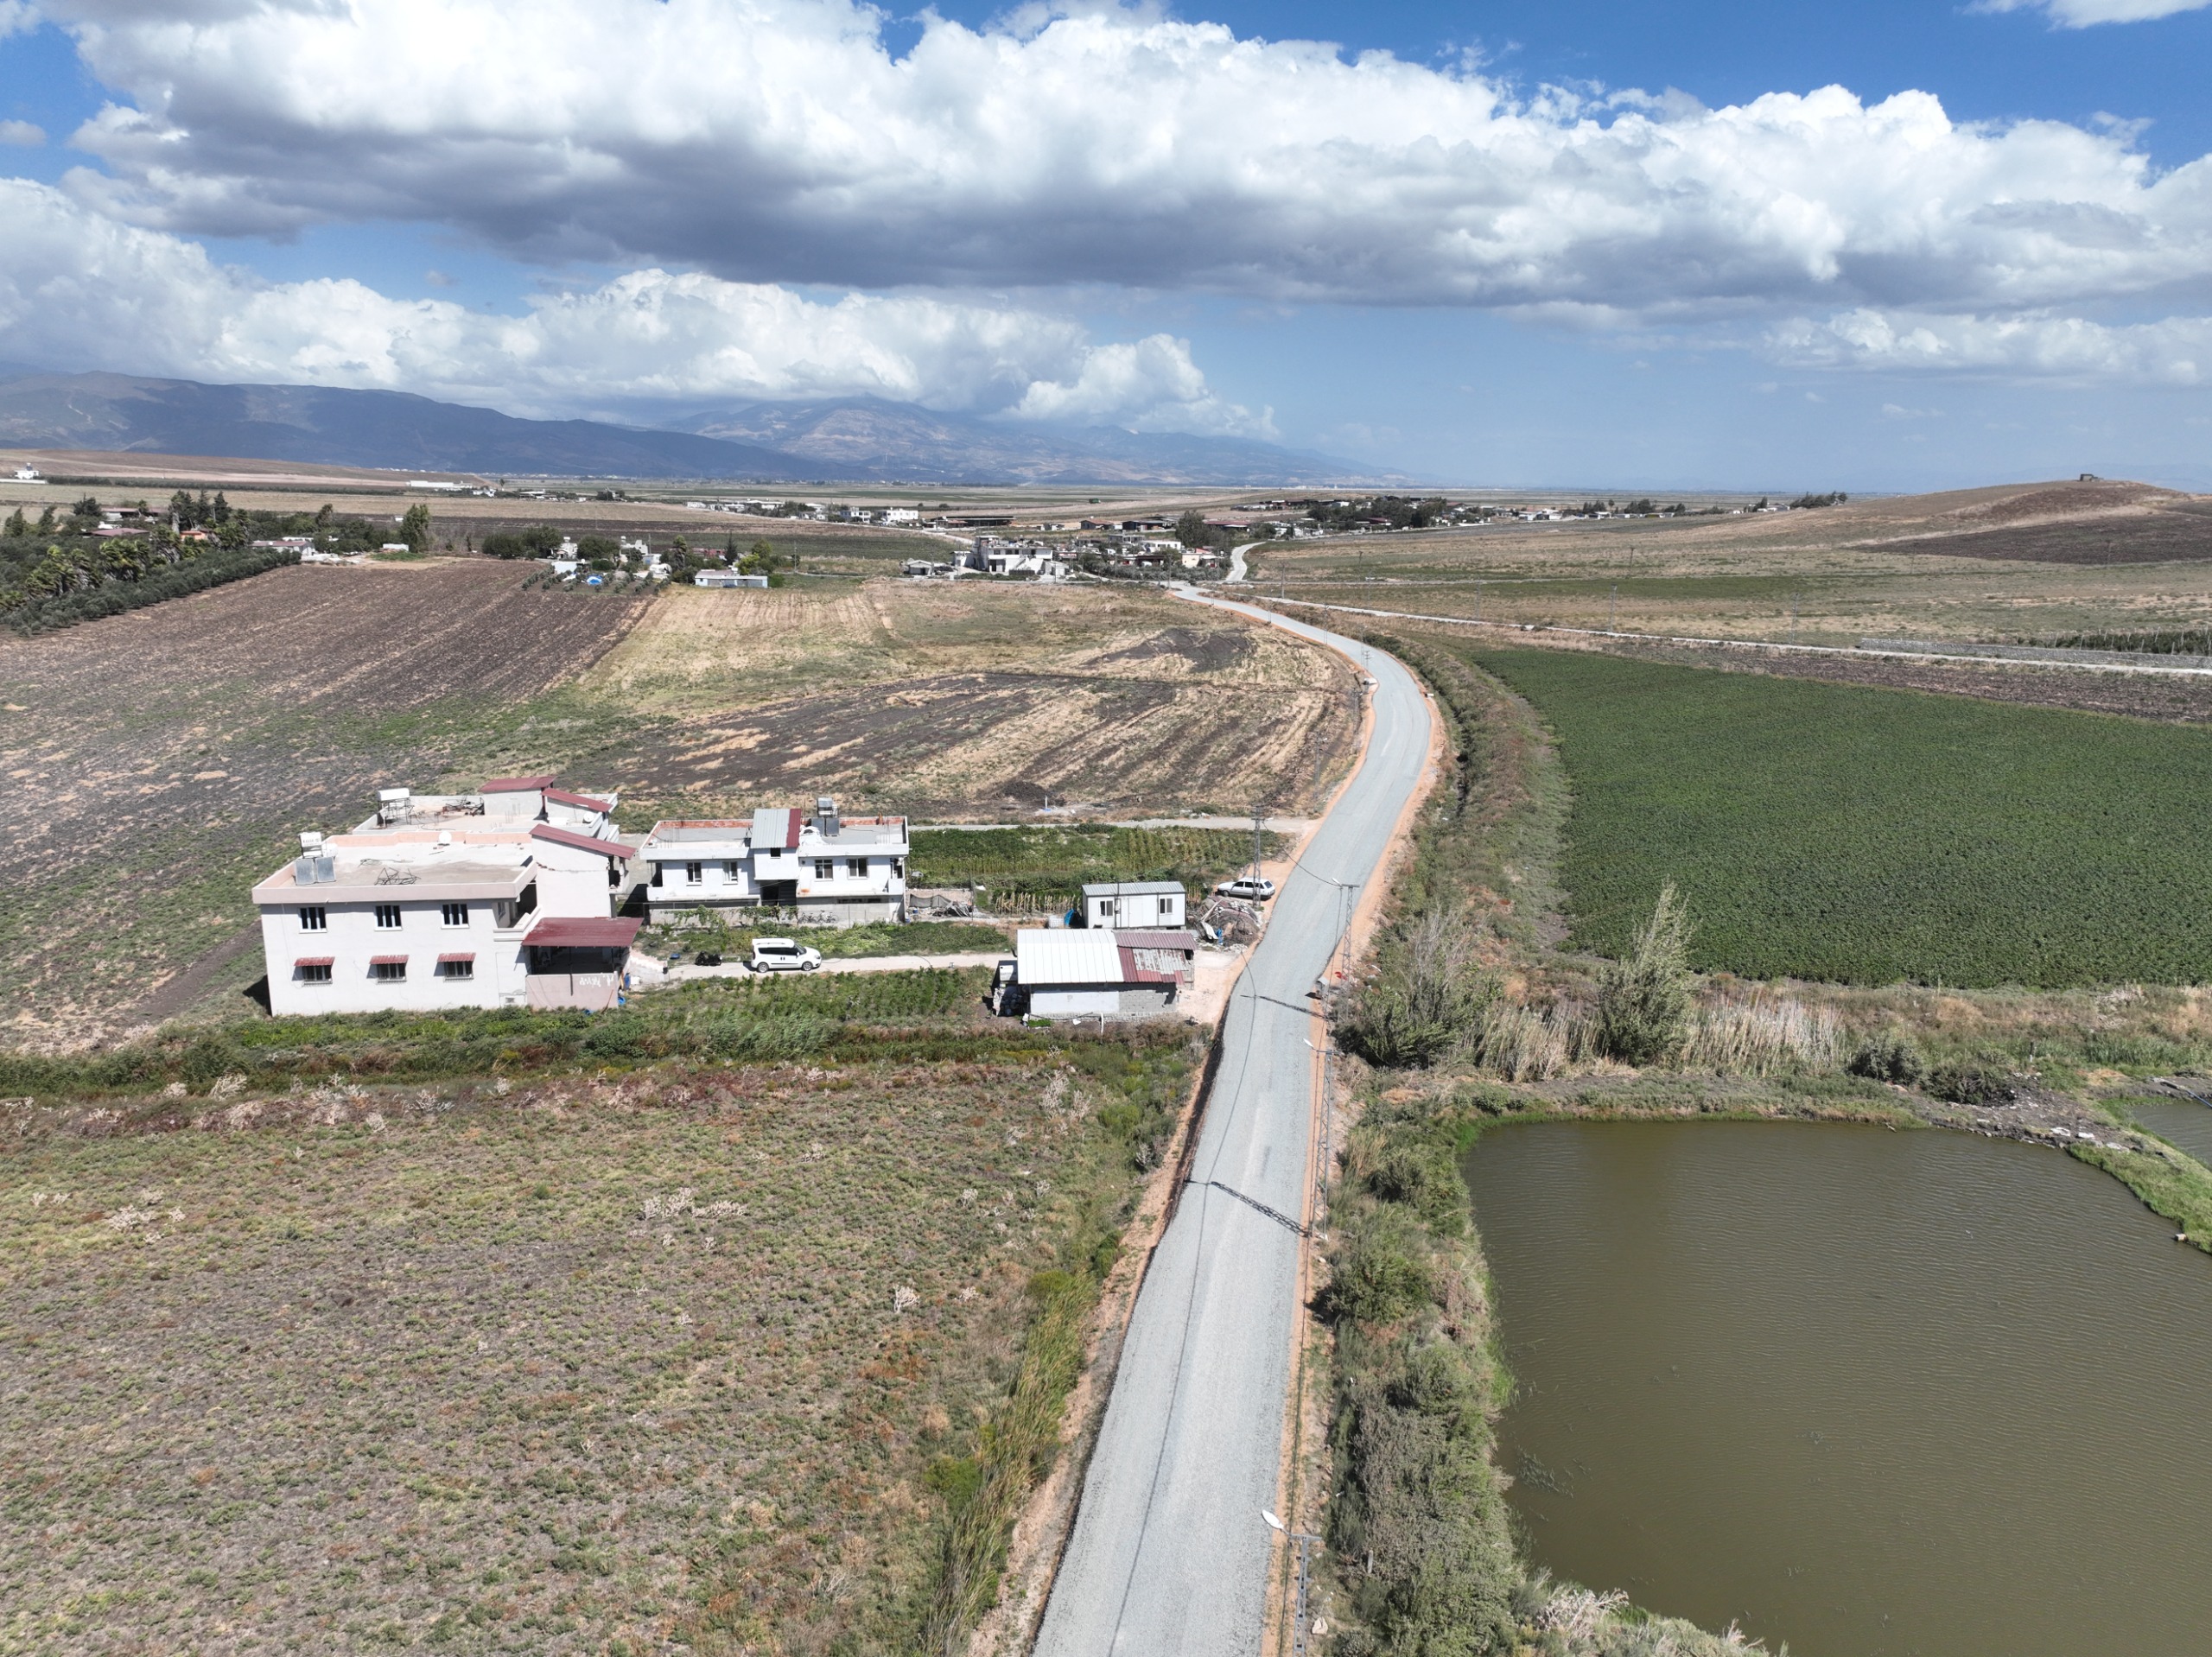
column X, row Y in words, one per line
column 443, row 959
column 1131, row 888
column 320, row 960
column 582, row 932
column 518, row 784
column 775, row 828
column 1140, row 939
column 1045, row 957
column 589, row 802
column 387, row 960
column 581, row 842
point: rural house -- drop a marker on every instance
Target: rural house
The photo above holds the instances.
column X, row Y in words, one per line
column 830, row 869
column 1132, row 902
column 503, row 898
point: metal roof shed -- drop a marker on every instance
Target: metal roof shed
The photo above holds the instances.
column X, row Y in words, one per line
column 1141, row 904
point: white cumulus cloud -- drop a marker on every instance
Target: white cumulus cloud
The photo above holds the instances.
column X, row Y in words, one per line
column 2082, row 14
column 780, row 141
column 2173, row 351
column 77, row 289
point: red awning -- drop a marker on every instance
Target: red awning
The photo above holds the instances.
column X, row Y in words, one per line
column 581, row 932
column 316, row 961
column 443, row 959
column 587, row 801
column 387, row 960
column 516, row 784
column 581, row 842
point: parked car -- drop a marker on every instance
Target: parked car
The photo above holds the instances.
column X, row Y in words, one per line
column 784, row 954
column 1246, row 885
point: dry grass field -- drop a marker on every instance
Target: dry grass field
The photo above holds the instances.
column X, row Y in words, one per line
column 690, row 1359
column 1998, row 564
column 970, row 699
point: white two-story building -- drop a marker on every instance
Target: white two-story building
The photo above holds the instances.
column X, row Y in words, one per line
column 505, row 897
column 825, row 869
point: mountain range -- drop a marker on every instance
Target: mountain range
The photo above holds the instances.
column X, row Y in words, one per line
column 845, row 440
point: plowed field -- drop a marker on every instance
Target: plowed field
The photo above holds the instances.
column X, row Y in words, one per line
column 951, row 700
column 159, row 762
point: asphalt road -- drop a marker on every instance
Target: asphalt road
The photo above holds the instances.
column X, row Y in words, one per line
column 1169, row 1552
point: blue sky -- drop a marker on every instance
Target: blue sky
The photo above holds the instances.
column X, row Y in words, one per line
column 1486, row 265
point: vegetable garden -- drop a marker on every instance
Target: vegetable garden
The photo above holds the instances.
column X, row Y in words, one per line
column 1863, row 835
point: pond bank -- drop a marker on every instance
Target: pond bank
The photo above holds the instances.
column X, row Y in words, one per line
column 1870, row 1392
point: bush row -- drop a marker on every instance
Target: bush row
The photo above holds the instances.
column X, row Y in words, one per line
column 113, row 598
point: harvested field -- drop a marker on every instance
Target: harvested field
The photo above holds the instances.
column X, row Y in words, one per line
column 162, row 760
column 703, row 1358
column 949, row 701
column 2150, row 538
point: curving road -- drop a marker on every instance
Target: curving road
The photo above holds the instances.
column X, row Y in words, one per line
column 1169, row 1552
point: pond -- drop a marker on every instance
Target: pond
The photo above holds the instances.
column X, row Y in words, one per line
column 1870, row 1392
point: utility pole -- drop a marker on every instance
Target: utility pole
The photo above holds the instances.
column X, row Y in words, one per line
column 1256, row 840
column 1613, row 609
column 1478, row 601
column 1793, row 618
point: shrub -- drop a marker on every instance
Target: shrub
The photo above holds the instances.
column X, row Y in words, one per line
column 1376, row 1280
column 1426, row 1178
column 1971, row 1082
column 1890, row 1056
column 1429, row 1000
column 1643, row 999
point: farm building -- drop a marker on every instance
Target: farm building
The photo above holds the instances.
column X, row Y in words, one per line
column 504, row 897
column 1132, row 902
column 727, row 578
column 830, row 869
column 1060, row 974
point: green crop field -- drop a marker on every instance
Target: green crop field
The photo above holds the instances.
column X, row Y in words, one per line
column 1865, row 836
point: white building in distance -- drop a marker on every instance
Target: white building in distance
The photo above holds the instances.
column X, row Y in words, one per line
column 504, row 897
column 828, row 869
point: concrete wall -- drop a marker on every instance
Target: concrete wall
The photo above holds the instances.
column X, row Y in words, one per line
column 352, row 939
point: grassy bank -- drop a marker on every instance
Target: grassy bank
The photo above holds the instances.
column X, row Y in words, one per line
column 718, row 1357
column 1870, row 836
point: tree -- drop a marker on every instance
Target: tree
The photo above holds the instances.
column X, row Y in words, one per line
column 46, row 522
column 323, row 519
column 414, row 528
column 16, row 525
column 759, row 560
column 1190, row 529
column 1644, row 1000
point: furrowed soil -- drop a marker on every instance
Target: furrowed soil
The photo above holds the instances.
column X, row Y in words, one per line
column 161, row 761
column 700, row 1358
column 968, row 700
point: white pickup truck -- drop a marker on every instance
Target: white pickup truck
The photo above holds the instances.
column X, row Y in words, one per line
column 784, row 954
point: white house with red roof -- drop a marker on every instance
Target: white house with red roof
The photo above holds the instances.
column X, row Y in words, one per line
column 827, row 868
column 502, row 898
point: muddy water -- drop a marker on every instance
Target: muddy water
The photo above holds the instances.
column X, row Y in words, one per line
column 1870, row 1393
column 2179, row 1122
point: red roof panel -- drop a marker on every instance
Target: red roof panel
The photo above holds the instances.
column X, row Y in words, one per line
column 589, row 802
column 443, row 959
column 581, row 842
column 316, row 961
column 387, row 960
column 516, row 784
column 582, row 932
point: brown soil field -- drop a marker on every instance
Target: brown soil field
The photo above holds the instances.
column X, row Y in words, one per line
column 671, row 1362
column 967, row 700
column 161, row 761
column 2172, row 699
column 1929, row 566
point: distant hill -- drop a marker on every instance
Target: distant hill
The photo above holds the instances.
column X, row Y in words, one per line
column 858, row 439
column 869, row 438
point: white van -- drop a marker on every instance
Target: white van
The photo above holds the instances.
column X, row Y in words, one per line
column 784, row 954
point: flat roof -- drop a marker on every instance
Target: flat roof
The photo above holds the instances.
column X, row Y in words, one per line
column 1132, row 888
column 582, row 932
